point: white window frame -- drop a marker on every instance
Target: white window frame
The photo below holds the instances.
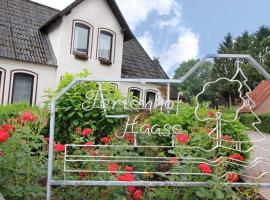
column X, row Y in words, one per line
column 90, row 38
column 113, row 45
column 145, row 95
column 35, row 84
column 2, row 84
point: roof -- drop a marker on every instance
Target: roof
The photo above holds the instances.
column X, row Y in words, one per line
column 259, row 95
column 23, row 37
column 19, row 38
column 115, row 9
column 137, row 63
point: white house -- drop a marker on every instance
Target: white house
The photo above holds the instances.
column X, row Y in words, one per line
column 38, row 44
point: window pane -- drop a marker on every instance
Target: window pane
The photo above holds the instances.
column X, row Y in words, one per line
column 150, row 96
column 22, row 88
column 105, row 45
column 81, row 38
column 136, row 94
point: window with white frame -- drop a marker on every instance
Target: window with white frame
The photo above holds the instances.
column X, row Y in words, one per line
column 150, row 96
column 81, row 38
column 2, row 74
column 105, row 46
column 136, row 93
column 22, row 89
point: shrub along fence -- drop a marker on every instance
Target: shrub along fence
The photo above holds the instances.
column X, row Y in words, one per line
column 248, row 119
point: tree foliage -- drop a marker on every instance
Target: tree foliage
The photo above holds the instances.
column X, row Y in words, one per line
column 256, row 44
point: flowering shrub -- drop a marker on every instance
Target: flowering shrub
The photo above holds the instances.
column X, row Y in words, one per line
column 23, row 159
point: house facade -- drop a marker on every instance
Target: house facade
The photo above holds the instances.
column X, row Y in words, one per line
column 39, row 44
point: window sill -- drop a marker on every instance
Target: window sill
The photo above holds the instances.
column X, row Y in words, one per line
column 81, row 56
column 105, row 61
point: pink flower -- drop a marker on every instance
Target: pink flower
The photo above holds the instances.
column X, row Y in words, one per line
column 59, row 147
column 126, row 177
column 236, row 156
column 105, row 140
column 128, row 168
column 173, row 160
column 86, row 132
column 4, row 136
column 113, row 168
column 29, row 117
column 131, row 189
column 205, row 168
column 78, row 129
column 182, row 138
column 137, row 195
column 88, row 143
column 8, row 128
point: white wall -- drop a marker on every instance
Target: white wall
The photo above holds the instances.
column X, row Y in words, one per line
column 99, row 15
column 46, row 78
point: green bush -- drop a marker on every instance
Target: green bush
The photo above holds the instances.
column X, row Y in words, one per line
column 69, row 112
column 13, row 110
column 23, row 156
column 248, row 119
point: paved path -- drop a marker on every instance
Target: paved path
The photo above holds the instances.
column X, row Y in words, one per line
column 262, row 151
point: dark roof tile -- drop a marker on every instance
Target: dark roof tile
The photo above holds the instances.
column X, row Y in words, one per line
column 19, row 36
column 138, row 64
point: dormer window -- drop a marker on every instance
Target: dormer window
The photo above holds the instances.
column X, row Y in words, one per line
column 105, row 47
column 81, row 38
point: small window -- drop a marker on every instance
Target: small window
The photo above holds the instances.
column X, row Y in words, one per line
column 81, row 38
column 150, row 97
column 135, row 93
column 105, row 45
column 22, row 88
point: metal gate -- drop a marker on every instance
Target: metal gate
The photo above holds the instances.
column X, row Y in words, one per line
column 137, row 144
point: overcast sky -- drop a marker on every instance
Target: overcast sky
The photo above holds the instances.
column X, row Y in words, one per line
column 177, row 30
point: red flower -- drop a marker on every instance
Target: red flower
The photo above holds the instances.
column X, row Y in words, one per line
column 59, row 147
column 236, row 156
column 126, row 177
column 47, row 139
column 1, row 153
column 128, row 168
column 205, row 168
column 113, row 168
column 8, row 128
column 232, row 177
column 131, row 189
column 78, row 129
column 129, row 137
column 105, row 140
column 4, row 135
column 137, row 195
column 86, row 132
column 182, row 138
column 83, row 174
column 29, row 117
column 210, row 114
column 88, row 143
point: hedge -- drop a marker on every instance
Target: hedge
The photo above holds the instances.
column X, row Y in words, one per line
column 248, row 119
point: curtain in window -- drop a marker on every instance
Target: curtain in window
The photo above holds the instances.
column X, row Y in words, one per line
column 81, row 38
column 22, row 88
column 105, row 45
